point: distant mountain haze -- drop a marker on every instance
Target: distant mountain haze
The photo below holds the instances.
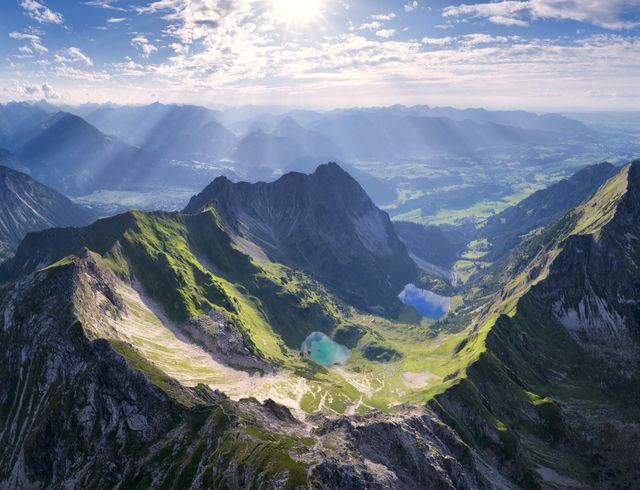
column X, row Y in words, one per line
column 506, row 229
column 27, row 206
column 72, row 156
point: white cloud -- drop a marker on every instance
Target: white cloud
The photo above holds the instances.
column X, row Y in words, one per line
column 116, row 20
column 179, row 48
column 144, row 47
column 105, row 4
column 231, row 50
column 76, row 54
column 437, row 41
column 40, row 12
column 411, row 6
column 199, row 19
column 34, row 39
column 383, row 17
column 386, row 33
column 25, row 50
column 609, row 14
column 370, row 26
column 35, row 91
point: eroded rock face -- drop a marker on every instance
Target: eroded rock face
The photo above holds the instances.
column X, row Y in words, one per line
column 225, row 341
column 323, row 223
column 69, row 405
column 403, row 451
column 594, row 283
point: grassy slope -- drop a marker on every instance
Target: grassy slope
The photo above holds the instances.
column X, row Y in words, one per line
column 188, row 265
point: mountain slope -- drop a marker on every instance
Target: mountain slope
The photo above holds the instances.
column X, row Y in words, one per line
column 9, row 160
column 428, row 243
column 312, row 143
column 26, row 206
column 111, row 333
column 181, row 132
column 550, row 396
column 72, row 156
column 17, row 123
column 323, row 223
column 259, row 149
column 506, row 229
column 77, row 409
column 520, row 119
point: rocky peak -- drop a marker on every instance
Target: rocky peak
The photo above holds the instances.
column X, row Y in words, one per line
column 324, row 223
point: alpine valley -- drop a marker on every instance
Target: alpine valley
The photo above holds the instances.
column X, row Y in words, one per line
column 257, row 338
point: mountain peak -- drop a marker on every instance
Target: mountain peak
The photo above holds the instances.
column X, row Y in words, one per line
column 323, row 223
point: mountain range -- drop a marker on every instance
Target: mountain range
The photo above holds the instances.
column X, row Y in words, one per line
column 175, row 349
column 97, row 151
column 162, row 349
column 508, row 227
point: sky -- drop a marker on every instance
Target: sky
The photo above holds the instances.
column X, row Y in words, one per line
column 561, row 55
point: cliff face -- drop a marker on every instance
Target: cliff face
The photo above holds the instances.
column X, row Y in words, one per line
column 324, row 224
column 594, row 284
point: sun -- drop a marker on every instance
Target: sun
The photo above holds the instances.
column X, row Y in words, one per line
column 297, row 10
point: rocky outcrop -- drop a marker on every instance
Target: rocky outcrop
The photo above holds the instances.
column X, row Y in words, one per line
column 408, row 450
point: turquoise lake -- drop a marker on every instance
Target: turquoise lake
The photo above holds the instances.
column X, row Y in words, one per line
column 323, row 350
column 428, row 304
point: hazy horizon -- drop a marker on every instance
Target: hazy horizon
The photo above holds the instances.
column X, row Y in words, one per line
column 284, row 109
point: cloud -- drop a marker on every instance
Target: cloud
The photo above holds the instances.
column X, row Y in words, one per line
column 35, row 91
column 179, row 48
column 34, row 39
column 386, row 33
column 105, row 4
column 40, row 13
column 370, row 26
column 144, row 47
column 76, row 55
column 411, row 6
column 383, row 17
column 232, row 50
column 467, row 40
column 116, row 20
column 608, row 14
column 437, row 41
column 199, row 19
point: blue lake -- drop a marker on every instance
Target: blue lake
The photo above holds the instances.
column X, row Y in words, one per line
column 323, row 350
column 428, row 304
